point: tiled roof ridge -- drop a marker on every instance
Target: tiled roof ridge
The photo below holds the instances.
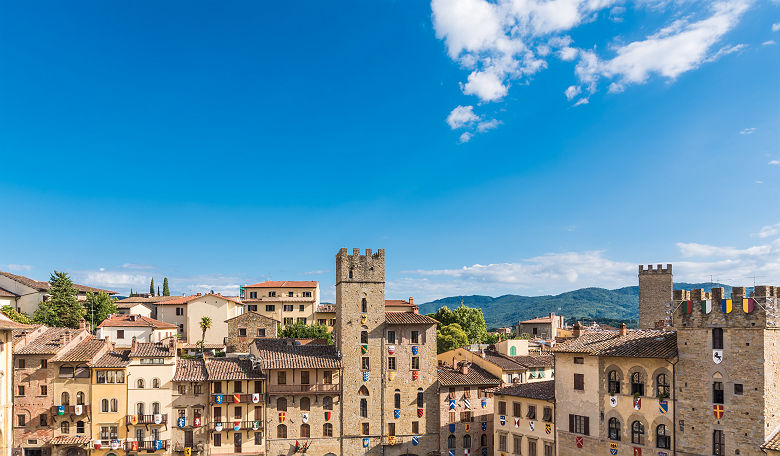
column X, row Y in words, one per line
column 284, row 284
column 44, row 286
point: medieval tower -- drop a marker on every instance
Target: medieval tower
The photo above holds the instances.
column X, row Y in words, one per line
column 655, row 294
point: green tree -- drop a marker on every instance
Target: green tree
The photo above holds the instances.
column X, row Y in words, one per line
column 472, row 321
column 62, row 308
column 450, row 337
column 18, row 317
column 166, row 290
column 205, row 324
column 304, row 331
column 444, row 316
column 151, row 287
column 98, row 307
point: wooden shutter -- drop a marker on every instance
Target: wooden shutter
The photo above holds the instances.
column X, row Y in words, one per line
column 586, row 424
column 571, row 423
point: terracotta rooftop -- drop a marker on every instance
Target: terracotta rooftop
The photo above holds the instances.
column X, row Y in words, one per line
column 145, row 300
column 534, row 361
column 186, row 299
column 398, row 303
column 117, row 358
column 534, row 390
column 50, row 342
column 500, row 360
column 231, row 369
column 84, row 351
column 474, row 376
column 190, row 370
column 290, row 354
column 44, row 286
column 152, row 350
column 636, row 343
column 538, row 320
column 121, row 321
column 284, row 284
column 252, row 312
column 8, row 324
column 326, row 308
column 69, row 440
column 408, row 318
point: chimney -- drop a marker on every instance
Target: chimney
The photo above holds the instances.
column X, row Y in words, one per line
column 454, row 363
column 411, row 300
column 464, row 368
column 623, row 331
column 82, row 324
column 482, row 353
column 134, row 344
column 197, row 294
column 576, row 329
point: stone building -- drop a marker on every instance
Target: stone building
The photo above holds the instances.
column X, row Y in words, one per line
column 287, row 301
column 521, row 367
column 245, row 328
column 524, row 421
column 541, row 327
column 122, row 329
column 8, row 339
column 24, row 294
column 613, row 391
column 389, row 364
column 325, row 315
column 190, row 407
column 186, row 312
column 145, row 305
column 655, row 295
column 35, row 394
column 108, row 406
column 466, row 409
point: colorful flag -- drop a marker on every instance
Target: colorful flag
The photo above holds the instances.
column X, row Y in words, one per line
column 748, row 305
column 484, row 451
column 502, row 419
column 158, row 444
column 663, row 407
column 484, row 425
column 415, row 350
column 415, row 375
column 305, row 417
column 281, row 417
column 452, row 427
column 188, row 452
column 365, row 443
column 717, row 356
column 218, row 426
column 256, row 398
column 60, row 410
column 397, row 413
column 134, row 445
column 613, row 448
column 363, row 319
column 133, row 419
column 365, row 376
column 78, row 409
column 517, row 422
column 391, row 375
column 97, row 444
column 255, row 425
column 467, row 403
column 531, row 424
column 181, row 422
column 157, row 418
column 484, row 403
column 717, row 410
column 391, row 440
column 688, row 306
column 468, row 427
column 236, row 425
column 420, row 412
column 637, row 451
column 637, row 403
column 706, row 306
column 196, row 421
column 726, row 305
column 415, row 440
column 578, row 440
column 452, row 404
column 451, row 453
column 548, row 428
column 363, row 348
column 327, row 415
column 236, row 398
column 391, row 349
column 218, row 399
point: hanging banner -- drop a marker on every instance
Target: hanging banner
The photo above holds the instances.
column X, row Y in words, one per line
column 365, row 443
column 726, row 305
column 218, row 426
column 637, row 403
column 663, row 407
column 365, row 376
column 391, row 375
column 467, row 403
column 517, row 422
column 133, row 420
column 688, row 306
column 134, row 446
column 415, row 350
column 236, row 398
column 706, row 306
column 391, row 440
column 484, row 403
column 188, row 452
column 452, row 427
column 60, row 410
column 531, row 424
column 579, row 442
column 181, row 422
column 717, row 410
column 415, row 375
column 468, row 427
column 415, row 440
column 236, row 425
column 256, row 398
column 281, row 417
column 218, row 398
column 502, row 419
column 613, row 401
column 419, row 413
column 548, row 428
column 114, row 444
column 717, row 356
column 391, row 349
column 363, row 349
column 613, row 448
column 78, row 409
column 305, row 417
column 158, row 445
column 484, row 425
column 452, row 404
column 327, row 415
column 97, row 444
column 363, row 319
column 637, row 451
column 748, row 305
column 255, row 425
column 157, row 418
column 397, row 413
column 196, row 421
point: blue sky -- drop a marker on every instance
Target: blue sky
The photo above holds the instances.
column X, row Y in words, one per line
column 490, row 147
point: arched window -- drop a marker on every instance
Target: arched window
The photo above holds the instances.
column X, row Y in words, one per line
column 65, row 399
column 397, row 399
column 662, row 386
column 79, row 427
column 420, row 399
column 662, row 439
column 364, row 306
column 281, row 431
column 327, row 403
column 114, row 405
column 155, row 408
column 139, row 408
column 717, row 338
column 327, row 430
column 614, row 383
column 637, row 433
column 364, row 407
column 305, row 404
column 613, row 428
column 155, row 383
column 483, row 440
column 80, row 398
column 451, row 441
column 281, row 404
column 104, row 405
column 363, row 337
column 467, row 441
column 637, row 386
column 65, row 427
column 363, row 391
column 305, row 430
column 140, row 383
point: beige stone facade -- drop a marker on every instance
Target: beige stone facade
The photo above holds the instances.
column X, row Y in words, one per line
column 186, row 313
column 285, row 301
column 524, row 420
column 245, row 328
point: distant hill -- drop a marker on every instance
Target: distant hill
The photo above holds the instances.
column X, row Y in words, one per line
column 583, row 304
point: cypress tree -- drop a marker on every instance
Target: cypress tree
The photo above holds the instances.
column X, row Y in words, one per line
column 151, row 287
column 166, row 290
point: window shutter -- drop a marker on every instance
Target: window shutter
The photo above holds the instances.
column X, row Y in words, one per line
column 587, row 424
column 571, row 423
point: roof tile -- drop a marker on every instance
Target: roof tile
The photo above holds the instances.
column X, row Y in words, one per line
column 121, row 321
column 408, row 318
column 231, row 369
column 533, row 390
column 290, row 354
column 475, row 376
column 637, row 343
column 190, row 370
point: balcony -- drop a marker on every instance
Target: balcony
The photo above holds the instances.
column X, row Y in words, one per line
column 230, row 425
column 70, row 410
column 147, row 419
column 146, row 445
column 228, row 399
column 305, row 389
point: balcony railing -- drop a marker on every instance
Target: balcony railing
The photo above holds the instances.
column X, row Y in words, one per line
column 318, row 388
column 230, row 425
column 147, row 419
column 147, row 445
column 229, row 399
column 70, row 410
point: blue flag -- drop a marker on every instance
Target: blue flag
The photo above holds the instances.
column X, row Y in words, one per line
column 397, row 413
column 484, row 425
column 452, row 404
column 365, row 443
column 365, row 376
column 415, row 440
column 181, row 422
column 218, row 399
column 452, row 427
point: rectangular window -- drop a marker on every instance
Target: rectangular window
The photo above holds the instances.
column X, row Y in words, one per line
column 531, row 413
column 44, row 419
column 307, row 294
column 321, row 322
column 304, row 377
column 501, row 408
column 21, row 363
column 302, row 307
column 281, row 378
column 390, row 428
column 579, row 382
column 502, row 442
column 252, row 295
column 364, row 363
column 391, row 363
column 252, row 307
column 579, row 424
column 288, row 321
column 466, row 416
column 548, row 414
column 290, row 294
column 179, row 311
column 718, row 443
column 327, row 377
column 258, row 386
column 120, row 333
column 453, row 417
column 366, row 429
column 415, row 427
column 415, row 337
column 237, row 387
column 241, row 332
column 517, row 444
column 415, row 363
column 270, row 308
column 288, row 307
column 579, row 360
column 197, row 389
column 20, row 390
column 237, row 413
column 217, row 387
column 532, row 448
column 738, row 389
column 44, row 390
column 453, row 390
column 548, row 449
column 182, row 389
column 260, row 332
column 467, row 392
column 332, row 322
column 517, row 409
column 302, row 320
column 271, row 294
column 717, row 338
column 217, row 439
column 258, row 438
column 218, row 413
column 20, row 420
column 717, row 392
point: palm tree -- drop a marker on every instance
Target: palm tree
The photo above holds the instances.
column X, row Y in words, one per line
column 205, row 323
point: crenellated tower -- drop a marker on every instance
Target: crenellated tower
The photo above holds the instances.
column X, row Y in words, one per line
column 655, row 296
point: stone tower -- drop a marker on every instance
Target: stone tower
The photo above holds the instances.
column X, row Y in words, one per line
column 360, row 318
column 728, row 372
column 655, row 294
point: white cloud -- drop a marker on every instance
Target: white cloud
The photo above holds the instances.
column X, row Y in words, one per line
column 461, row 116
column 774, row 162
column 776, row 27
column 465, row 137
column 768, row 231
column 692, row 249
column 115, row 279
column 18, row 267
column 768, row 43
column 137, row 266
column 572, row 92
column 747, row 131
column 581, row 101
column 486, row 85
column 488, row 125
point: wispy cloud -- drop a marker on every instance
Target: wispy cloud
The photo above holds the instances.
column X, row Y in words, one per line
column 747, row 131
column 768, row 43
column 768, row 231
column 461, row 116
column 137, row 266
column 774, row 162
column 776, row 26
column 18, row 267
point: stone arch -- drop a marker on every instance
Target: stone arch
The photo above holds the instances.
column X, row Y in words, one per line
column 653, row 427
column 654, row 380
column 613, row 413
column 620, row 377
column 363, row 391
column 642, row 375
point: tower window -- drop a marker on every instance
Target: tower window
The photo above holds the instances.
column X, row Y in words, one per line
column 350, row 273
column 397, row 399
column 364, row 408
column 717, row 392
column 364, row 306
column 718, row 443
column 364, row 363
column 363, row 337
column 717, row 338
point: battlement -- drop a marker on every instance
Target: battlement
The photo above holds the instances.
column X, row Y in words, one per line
column 698, row 308
column 659, row 269
column 357, row 267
